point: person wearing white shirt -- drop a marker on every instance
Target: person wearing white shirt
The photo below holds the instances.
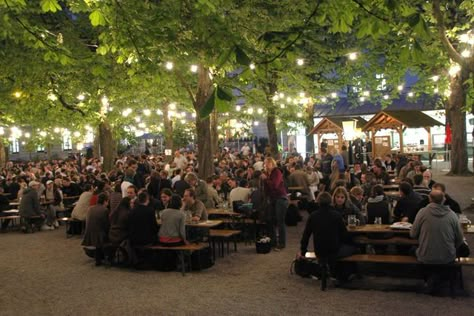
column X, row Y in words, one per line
column 240, row 193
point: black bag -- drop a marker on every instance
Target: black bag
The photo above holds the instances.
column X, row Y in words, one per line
column 463, row 250
column 292, row 215
column 202, row 259
column 306, row 268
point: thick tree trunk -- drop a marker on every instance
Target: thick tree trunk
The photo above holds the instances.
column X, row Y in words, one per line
column 203, row 128
column 3, row 154
column 271, row 118
column 457, row 115
column 214, row 132
column 106, row 142
column 272, row 132
column 96, row 145
column 168, row 128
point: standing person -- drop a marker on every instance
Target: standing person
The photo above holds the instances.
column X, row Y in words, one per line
column 97, row 227
column 276, row 193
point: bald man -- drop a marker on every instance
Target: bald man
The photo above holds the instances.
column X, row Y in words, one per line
column 438, row 231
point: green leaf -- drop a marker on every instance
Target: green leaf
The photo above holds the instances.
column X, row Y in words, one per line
column 97, row 18
column 391, row 4
column 241, row 56
column 223, row 58
column 421, row 29
column 102, row 50
column 224, row 94
column 50, row 5
column 222, row 106
column 209, row 106
column 405, row 54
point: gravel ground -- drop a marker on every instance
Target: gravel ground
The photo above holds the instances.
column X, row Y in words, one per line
column 45, row 273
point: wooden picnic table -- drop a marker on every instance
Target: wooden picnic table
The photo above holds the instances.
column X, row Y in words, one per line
column 295, row 188
column 222, row 212
column 373, row 228
column 201, row 224
column 389, row 187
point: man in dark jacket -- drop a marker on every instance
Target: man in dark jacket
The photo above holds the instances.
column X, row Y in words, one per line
column 30, row 207
column 143, row 229
column 97, row 227
column 329, row 232
column 408, row 205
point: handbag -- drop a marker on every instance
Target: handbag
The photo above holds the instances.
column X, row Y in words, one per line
column 305, row 268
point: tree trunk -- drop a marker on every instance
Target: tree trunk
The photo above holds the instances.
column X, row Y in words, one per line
column 457, row 115
column 106, row 145
column 271, row 117
column 203, row 128
column 309, row 125
column 96, row 145
column 214, row 133
column 3, row 154
column 168, row 128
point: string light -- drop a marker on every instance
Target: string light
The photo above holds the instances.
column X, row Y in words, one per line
column 17, row 94
column 260, row 111
column 252, row 66
column 386, row 97
column 334, row 95
column 147, row 112
column 352, row 56
column 282, row 106
column 362, row 99
column 436, row 90
column 238, row 108
column 410, row 94
column 300, row 62
column 400, row 87
column 435, row 78
column 366, row 93
column 169, row 65
column 81, row 97
column 194, row 68
column 324, row 99
column 299, row 114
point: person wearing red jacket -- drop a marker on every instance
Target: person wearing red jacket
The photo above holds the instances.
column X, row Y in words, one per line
column 277, row 196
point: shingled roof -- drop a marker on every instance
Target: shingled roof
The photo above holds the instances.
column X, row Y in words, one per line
column 393, row 119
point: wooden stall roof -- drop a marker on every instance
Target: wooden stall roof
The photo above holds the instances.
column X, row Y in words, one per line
column 334, row 124
column 396, row 119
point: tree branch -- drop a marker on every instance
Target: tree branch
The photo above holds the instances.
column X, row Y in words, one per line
column 63, row 101
column 284, row 49
column 186, row 86
column 452, row 53
column 370, row 12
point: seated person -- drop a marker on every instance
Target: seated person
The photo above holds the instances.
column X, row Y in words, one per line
column 97, row 228
column 4, row 206
column 378, row 206
column 448, row 200
column 195, row 207
column 143, row 229
column 30, row 206
column 408, row 205
column 342, row 203
column 428, row 179
column 119, row 222
column 438, row 231
column 329, row 233
column 419, row 186
column 357, row 196
column 79, row 211
column 173, row 224
column 241, row 193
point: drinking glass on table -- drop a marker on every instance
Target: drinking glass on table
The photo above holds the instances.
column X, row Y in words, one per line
column 352, row 221
column 378, row 221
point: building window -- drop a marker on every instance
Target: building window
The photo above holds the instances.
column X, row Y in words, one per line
column 40, row 148
column 67, row 142
column 15, row 146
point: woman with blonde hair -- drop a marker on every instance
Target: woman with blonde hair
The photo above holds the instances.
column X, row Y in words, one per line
column 276, row 193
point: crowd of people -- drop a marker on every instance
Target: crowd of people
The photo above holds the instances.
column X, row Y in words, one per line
column 124, row 203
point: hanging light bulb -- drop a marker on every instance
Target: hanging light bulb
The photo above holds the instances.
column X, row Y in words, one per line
column 252, row 66
column 169, row 65
column 300, row 62
column 194, row 68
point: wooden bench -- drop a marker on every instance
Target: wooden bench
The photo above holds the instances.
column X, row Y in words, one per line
column 11, row 218
column 221, row 235
column 396, row 240
column 411, row 260
column 71, row 226
column 183, row 252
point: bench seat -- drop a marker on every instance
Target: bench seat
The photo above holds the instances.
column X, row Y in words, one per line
column 221, row 235
column 183, row 252
column 396, row 240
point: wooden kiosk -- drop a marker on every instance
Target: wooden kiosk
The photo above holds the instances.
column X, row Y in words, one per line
column 333, row 125
column 399, row 121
